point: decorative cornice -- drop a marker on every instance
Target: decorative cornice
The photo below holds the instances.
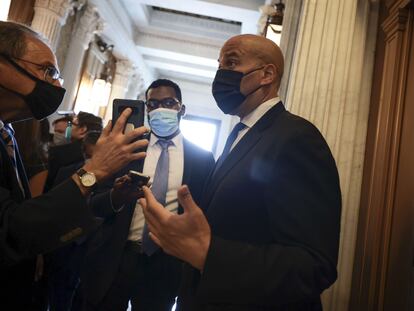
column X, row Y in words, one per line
column 89, row 24
column 398, row 4
column 396, row 22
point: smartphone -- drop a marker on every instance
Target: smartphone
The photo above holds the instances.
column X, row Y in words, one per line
column 139, row 179
column 136, row 119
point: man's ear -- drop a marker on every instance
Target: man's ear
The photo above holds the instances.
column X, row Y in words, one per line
column 182, row 111
column 270, row 74
column 82, row 131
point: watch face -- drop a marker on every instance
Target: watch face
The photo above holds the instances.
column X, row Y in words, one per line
column 88, row 179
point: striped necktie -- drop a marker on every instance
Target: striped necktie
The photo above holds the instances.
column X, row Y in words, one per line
column 7, row 135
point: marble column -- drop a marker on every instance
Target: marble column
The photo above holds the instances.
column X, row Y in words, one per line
column 136, row 86
column 50, row 16
column 89, row 24
column 330, row 84
column 120, row 84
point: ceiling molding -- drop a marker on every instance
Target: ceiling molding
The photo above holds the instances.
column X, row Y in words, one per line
column 158, row 41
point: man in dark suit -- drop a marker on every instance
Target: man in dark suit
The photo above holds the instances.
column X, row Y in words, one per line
column 30, row 87
column 268, row 233
column 123, row 267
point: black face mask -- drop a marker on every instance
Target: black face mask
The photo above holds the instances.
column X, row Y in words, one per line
column 226, row 89
column 45, row 97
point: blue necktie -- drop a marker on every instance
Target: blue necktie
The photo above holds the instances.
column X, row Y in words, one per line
column 159, row 189
column 227, row 148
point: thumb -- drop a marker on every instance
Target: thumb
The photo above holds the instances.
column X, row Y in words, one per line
column 185, row 199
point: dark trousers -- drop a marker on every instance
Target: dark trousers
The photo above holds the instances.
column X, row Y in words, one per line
column 151, row 283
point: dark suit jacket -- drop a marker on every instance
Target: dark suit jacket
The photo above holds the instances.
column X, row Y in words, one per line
column 274, row 209
column 33, row 226
column 62, row 156
column 105, row 251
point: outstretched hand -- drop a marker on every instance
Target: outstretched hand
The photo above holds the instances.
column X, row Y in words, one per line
column 186, row 236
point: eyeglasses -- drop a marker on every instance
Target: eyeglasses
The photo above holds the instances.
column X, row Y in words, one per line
column 168, row 102
column 52, row 74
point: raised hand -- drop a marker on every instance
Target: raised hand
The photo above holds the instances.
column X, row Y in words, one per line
column 186, row 236
column 114, row 149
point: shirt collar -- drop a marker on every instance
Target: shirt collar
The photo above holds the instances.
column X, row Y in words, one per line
column 177, row 139
column 7, row 126
column 259, row 112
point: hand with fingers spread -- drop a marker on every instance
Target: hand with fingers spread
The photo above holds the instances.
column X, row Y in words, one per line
column 186, row 236
column 114, row 149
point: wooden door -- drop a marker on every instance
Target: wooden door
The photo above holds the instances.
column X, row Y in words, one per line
column 384, row 261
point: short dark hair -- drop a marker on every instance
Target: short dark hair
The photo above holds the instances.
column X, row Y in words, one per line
column 65, row 118
column 92, row 122
column 165, row 82
column 13, row 38
column 91, row 137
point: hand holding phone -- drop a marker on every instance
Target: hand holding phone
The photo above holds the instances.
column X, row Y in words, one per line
column 139, row 179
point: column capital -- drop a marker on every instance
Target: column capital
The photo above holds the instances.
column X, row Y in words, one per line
column 136, row 85
column 59, row 9
column 89, row 24
column 124, row 67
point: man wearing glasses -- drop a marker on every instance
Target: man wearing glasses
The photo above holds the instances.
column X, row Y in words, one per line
column 30, row 87
column 127, row 265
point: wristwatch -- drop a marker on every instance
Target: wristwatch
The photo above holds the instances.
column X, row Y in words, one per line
column 87, row 179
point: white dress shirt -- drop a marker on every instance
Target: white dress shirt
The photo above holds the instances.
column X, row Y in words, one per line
column 175, row 178
column 254, row 116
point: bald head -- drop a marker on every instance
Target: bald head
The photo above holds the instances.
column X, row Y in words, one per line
column 260, row 48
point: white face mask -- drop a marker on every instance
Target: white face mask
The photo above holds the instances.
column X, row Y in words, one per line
column 59, row 139
column 163, row 121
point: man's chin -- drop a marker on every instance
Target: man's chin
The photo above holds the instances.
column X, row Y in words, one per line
column 12, row 107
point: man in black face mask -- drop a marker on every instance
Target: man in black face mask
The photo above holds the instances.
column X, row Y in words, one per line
column 30, row 87
column 267, row 234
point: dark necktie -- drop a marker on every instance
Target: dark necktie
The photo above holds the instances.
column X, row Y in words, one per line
column 7, row 134
column 227, row 148
column 159, row 189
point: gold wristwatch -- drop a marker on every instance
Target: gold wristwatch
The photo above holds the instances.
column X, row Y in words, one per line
column 87, row 179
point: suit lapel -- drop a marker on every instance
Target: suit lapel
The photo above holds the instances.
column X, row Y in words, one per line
column 244, row 146
column 188, row 164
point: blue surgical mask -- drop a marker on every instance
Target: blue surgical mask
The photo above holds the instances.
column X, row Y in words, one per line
column 163, row 122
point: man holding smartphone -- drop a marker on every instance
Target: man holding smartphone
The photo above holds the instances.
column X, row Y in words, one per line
column 30, row 88
column 127, row 265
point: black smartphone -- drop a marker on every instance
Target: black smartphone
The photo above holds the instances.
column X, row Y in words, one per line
column 139, row 179
column 136, row 119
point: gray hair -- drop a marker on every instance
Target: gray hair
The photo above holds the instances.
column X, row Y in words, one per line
column 13, row 38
